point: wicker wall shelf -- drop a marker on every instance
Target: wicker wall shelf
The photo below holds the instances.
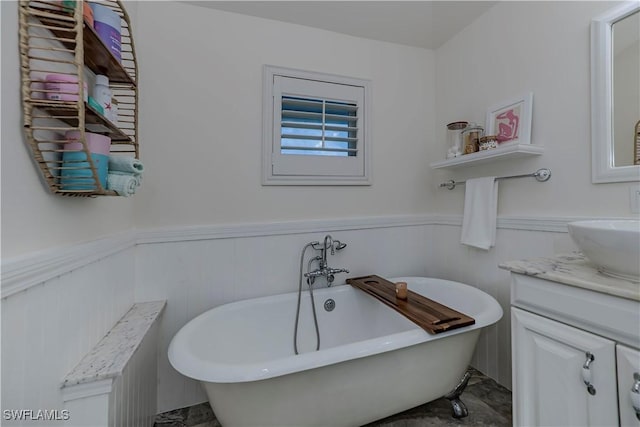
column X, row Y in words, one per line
column 55, row 39
column 96, row 55
column 93, row 120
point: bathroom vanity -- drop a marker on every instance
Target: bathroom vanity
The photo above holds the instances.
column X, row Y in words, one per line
column 575, row 344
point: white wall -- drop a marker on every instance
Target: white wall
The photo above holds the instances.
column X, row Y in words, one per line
column 514, row 48
column 205, row 159
column 201, row 148
column 201, row 118
column 74, row 292
column 48, row 328
column 32, row 218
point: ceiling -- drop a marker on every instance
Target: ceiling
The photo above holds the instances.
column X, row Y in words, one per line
column 426, row 24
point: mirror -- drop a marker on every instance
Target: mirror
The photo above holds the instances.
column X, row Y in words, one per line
column 626, row 87
column 615, row 94
column 636, row 149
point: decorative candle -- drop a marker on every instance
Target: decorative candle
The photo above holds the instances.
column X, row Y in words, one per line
column 401, row 290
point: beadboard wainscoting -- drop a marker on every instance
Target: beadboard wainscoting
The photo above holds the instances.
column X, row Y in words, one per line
column 198, row 268
column 196, row 275
column 53, row 313
column 516, row 238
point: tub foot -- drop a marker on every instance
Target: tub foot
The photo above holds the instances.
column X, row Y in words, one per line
column 458, row 407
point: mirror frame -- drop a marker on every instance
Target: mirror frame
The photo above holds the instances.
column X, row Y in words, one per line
column 602, row 157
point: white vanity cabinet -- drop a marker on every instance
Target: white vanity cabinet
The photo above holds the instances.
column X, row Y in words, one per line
column 548, row 389
column 628, row 383
column 575, row 349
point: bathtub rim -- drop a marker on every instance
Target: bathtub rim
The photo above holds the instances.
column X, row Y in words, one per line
column 223, row 372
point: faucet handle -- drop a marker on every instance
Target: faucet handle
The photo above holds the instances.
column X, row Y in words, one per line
column 332, row 271
column 313, row 274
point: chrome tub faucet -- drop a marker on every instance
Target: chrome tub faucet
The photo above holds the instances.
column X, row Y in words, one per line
column 323, row 269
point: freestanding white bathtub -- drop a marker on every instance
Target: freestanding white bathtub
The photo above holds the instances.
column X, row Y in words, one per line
column 372, row 362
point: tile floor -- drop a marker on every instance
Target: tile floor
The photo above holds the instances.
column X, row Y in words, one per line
column 489, row 404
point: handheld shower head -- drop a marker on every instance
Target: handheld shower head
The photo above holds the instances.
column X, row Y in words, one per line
column 339, row 245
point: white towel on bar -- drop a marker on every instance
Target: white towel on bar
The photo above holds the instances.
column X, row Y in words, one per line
column 480, row 212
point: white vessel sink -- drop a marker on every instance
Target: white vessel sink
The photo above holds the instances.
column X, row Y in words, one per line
column 612, row 245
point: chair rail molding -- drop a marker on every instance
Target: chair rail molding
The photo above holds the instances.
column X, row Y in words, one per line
column 22, row 272
column 225, row 231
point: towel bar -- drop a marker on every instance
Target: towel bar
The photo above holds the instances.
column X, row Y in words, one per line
column 540, row 175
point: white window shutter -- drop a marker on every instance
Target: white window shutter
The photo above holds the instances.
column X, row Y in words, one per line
column 316, row 126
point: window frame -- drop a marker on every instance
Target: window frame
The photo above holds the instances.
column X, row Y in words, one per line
column 358, row 168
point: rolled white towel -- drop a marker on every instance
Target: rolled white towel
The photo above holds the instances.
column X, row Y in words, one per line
column 125, row 164
column 123, row 184
column 138, row 177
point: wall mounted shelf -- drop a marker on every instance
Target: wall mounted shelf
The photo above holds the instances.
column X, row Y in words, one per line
column 93, row 120
column 55, row 39
column 489, row 156
column 96, row 54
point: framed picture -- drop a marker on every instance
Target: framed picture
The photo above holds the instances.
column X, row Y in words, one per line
column 511, row 121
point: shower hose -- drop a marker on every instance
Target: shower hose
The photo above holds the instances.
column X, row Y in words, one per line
column 313, row 305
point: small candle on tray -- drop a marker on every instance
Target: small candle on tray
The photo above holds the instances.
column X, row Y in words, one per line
column 401, row 290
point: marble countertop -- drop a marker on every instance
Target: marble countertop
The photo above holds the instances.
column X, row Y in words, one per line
column 109, row 357
column 575, row 270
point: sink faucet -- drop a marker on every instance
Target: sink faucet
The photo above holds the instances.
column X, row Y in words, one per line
column 323, row 269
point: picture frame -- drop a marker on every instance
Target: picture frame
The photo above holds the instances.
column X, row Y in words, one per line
column 511, row 121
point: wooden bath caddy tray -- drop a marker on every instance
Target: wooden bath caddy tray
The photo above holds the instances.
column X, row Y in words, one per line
column 431, row 316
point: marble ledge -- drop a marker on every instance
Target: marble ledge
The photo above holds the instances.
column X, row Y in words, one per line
column 574, row 270
column 110, row 356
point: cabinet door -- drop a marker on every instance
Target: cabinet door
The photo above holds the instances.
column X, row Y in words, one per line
column 628, row 365
column 548, row 386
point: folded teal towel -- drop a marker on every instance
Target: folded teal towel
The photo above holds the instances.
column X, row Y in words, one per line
column 123, row 184
column 125, row 164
